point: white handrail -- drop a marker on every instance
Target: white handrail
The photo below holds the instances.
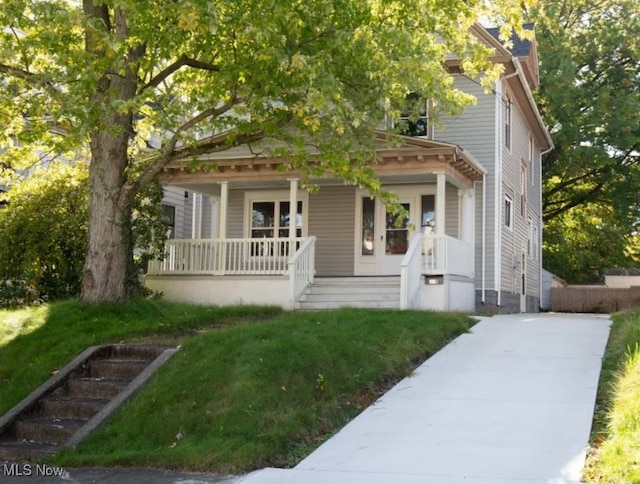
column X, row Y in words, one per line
column 410, row 274
column 302, row 270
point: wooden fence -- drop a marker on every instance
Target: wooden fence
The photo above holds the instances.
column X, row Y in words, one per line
column 594, row 299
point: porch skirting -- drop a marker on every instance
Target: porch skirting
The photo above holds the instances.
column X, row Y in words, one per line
column 222, row 290
column 447, row 293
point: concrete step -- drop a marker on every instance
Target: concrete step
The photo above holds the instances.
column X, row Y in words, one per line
column 355, row 292
column 318, row 306
column 96, row 388
column 116, row 369
column 46, row 430
column 145, row 352
column 357, row 281
column 73, row 408
column 342, row 297
column 12, row 450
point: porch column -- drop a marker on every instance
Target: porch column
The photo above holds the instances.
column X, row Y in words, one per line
column 440, row 204
column 224, row 204
column 466, row 220
column 293, row 213
column 222, row 231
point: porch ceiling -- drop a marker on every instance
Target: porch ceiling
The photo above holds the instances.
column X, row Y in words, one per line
column 413, row 160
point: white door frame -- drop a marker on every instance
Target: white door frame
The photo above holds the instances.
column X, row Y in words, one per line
column 380, row 263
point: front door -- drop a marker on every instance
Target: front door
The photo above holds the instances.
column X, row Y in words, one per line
column 383, row 238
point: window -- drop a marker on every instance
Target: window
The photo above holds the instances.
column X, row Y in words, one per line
column 508, row 212
column 532, row 167
column 169, row 218
column 533, row 243
column 414, row 120
column 368, row 224
column 397, row 232
column 272, row 219
column 507, row 122
column 523, row 190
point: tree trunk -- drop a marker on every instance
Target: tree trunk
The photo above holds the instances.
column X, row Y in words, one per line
column 109, row 263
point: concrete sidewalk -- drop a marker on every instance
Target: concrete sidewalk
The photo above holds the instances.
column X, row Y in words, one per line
column 510, row 402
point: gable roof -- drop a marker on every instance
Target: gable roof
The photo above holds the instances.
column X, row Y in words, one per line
column 521, row 47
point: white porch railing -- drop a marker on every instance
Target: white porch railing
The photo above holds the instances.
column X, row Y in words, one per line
column 302, row 269
column 263, row 256
column 410, row 274
column 447, row 255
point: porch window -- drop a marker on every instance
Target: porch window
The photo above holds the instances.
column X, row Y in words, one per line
column 428, row 216
column 368, row 225
column 397, row 232
column 272, row 219
column 169, row 218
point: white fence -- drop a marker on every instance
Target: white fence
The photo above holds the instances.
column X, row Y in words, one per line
column 227, row 256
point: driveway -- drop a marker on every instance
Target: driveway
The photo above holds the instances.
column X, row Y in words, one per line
column 510, row 402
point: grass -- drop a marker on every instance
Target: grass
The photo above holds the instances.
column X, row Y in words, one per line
column 245, row 396
column 36, row 341
column 615, row 450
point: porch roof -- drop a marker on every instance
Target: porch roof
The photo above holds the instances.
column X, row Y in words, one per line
column 249, row 163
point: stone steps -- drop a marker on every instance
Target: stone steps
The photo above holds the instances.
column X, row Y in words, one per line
column 56, row 414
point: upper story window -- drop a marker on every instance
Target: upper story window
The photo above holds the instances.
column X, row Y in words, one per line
column 531, row 161
column 414, row 119
column 507, row 122
column 508, row 212
column 523, row 189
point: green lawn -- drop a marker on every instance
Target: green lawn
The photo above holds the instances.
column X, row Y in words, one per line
column 615, row 453
column 236, row 396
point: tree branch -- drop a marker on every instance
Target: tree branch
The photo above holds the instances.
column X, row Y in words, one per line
column 182, row 61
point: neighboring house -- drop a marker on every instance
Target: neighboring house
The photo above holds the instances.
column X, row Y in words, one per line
column 472, row 190
column 620, row 278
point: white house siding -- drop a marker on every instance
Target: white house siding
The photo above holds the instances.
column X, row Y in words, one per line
column 514, row 240
column 235, row 214
column 331, row 220
column 451, row 210
column 475, row 131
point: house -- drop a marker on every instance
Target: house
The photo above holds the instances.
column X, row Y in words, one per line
column 472, row 241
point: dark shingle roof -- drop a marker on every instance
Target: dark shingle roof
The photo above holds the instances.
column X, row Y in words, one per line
column 520, row 48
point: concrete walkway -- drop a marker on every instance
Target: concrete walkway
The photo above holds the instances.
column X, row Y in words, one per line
column 511, row 402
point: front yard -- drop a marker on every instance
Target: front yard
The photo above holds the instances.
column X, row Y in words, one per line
column 250, row 386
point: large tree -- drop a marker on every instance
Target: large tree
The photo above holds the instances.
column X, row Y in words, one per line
column 116, row 74
column 590, row 98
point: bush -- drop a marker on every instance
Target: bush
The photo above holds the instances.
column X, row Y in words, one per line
column 43, row 235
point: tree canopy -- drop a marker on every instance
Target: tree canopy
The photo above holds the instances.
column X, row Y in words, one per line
column 142, row 83
column 590, row 97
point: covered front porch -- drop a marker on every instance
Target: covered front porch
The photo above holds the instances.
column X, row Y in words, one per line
column 263, row 253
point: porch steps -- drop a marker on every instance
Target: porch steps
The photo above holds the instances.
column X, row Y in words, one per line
column 77, row 399
column 381, row 292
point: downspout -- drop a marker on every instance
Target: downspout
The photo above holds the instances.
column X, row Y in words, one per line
column 484, row 237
